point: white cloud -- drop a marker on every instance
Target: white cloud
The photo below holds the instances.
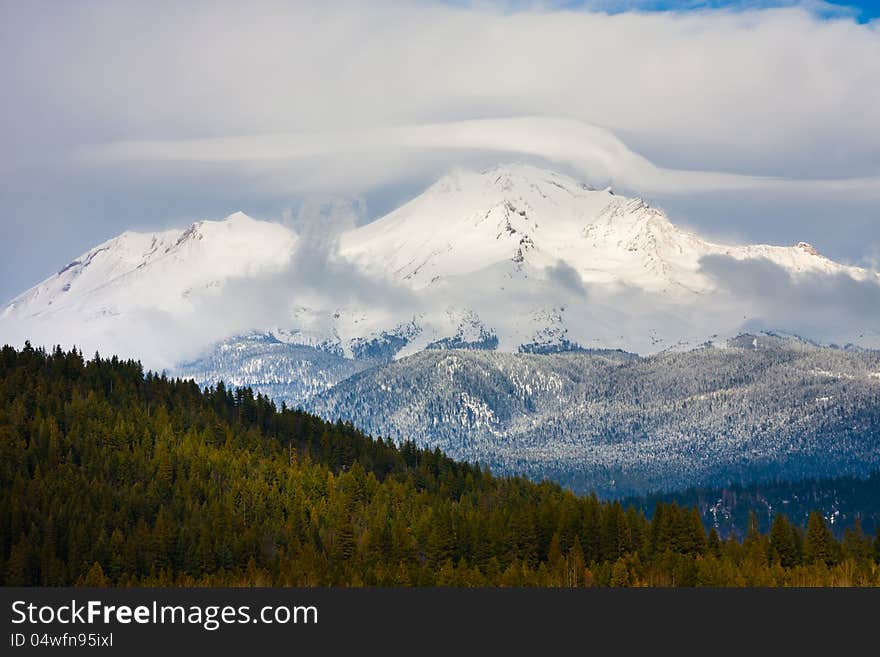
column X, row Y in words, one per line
column 776, row 92
column 828, row 308
column 595, row 153
column 750, row 93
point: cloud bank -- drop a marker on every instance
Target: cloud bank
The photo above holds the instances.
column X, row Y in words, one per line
column 195, row 103
column 754, row 89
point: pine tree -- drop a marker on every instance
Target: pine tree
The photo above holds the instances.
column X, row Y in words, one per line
column 18, row 567
column 855, row 544
column 714, row 542
column 694, row 534
column 818, row 546
column 554, row 552
column 755, row 544
column 620, row 573
column 782, row 542
column 575, row 565
column 95, row 577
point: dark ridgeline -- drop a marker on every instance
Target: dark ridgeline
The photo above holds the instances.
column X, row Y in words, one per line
column 110, row 476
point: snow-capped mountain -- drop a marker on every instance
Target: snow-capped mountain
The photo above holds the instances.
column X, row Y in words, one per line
column 469, row 221
column 498, row 315
column 514, row 258
column 160, row 294
column 156, row 271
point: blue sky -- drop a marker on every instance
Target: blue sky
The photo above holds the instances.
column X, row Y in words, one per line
column 861, row 11
column 790, row 93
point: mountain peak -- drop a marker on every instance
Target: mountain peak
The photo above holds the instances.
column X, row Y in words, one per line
column 512, row 179
column 238, row 221
column 156, row 270
column 470, row 221
column 237, row 217
column 807, row 248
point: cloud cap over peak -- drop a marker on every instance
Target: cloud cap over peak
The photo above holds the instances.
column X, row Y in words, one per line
column 595, row 153
column 388, row 95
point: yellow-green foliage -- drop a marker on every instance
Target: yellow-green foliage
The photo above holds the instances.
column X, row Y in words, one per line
column 111, row 477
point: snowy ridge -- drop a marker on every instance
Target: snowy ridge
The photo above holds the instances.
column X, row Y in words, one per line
column 151, row 295
column 515, row 258
column 158, row 270
column 469, row 221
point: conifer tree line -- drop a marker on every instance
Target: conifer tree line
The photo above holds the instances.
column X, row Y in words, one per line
column 110, row 476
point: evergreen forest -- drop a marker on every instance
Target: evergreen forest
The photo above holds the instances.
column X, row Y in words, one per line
column 110, row 476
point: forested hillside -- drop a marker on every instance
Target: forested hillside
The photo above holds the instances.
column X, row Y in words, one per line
column 842, row 500
column 761, row 409
column 109, row 476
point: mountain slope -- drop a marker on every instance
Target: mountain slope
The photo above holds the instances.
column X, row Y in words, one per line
column 158, row 270
column 280, row 370
column 159, row 293
column 761, row 408
column 469, row 221
column 110, row 477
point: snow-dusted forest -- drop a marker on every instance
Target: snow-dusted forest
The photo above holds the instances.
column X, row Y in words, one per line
column 758, row 409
